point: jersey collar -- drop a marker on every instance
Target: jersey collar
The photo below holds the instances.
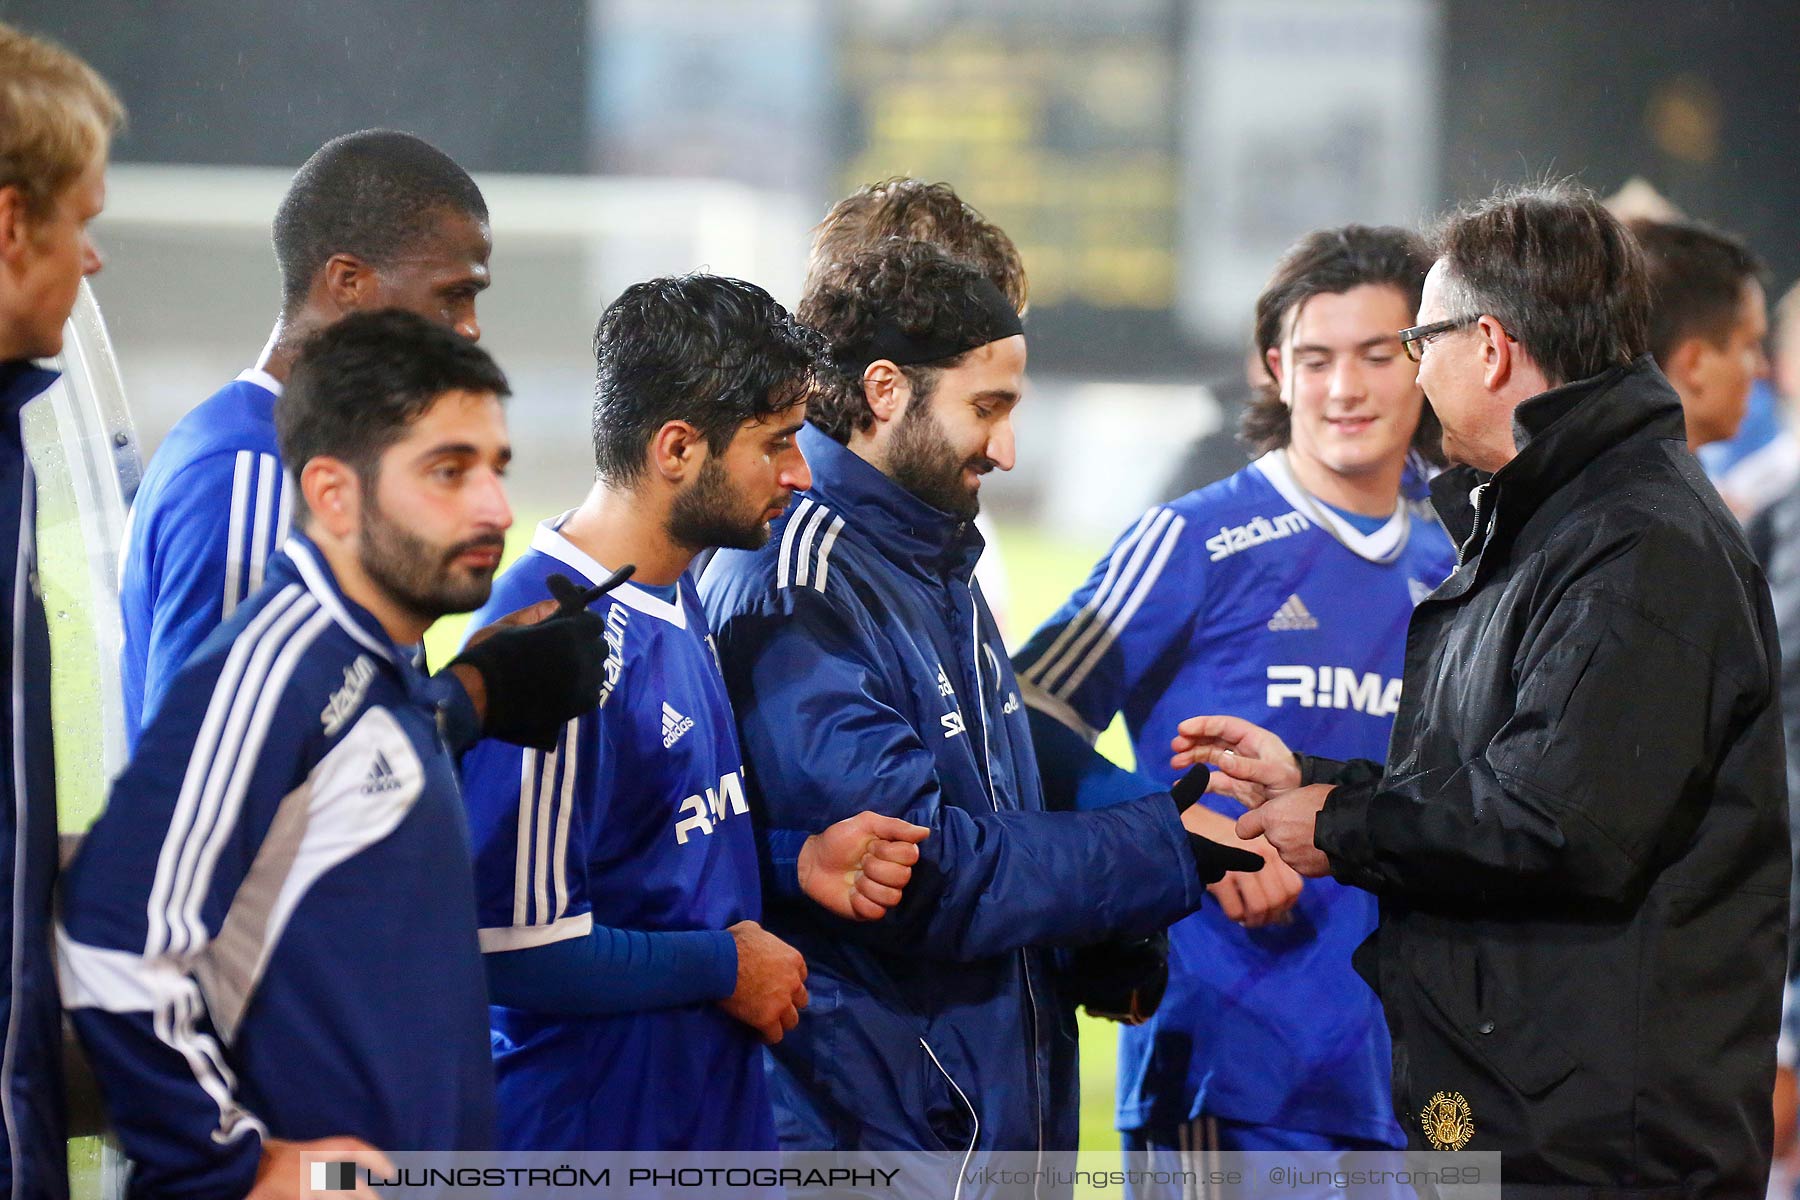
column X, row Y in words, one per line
column 547, row 539
column 1382, row 546
column 262, row 379
column 353, row 618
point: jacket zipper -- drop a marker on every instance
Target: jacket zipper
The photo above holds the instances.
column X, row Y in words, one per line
column 973, row 1115
column 1477, row 497
column 987, row 771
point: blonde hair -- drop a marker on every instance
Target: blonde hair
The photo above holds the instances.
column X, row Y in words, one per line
column 56, row 117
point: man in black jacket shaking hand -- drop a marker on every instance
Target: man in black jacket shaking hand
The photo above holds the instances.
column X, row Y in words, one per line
column 1579, row 838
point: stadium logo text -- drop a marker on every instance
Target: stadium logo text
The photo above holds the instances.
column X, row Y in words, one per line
column 708, row 810
column 616, row 618
column 347, row 699
column 1334, row 687
column 1232, row 538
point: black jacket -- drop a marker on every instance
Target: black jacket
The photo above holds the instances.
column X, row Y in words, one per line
column 1580, row 838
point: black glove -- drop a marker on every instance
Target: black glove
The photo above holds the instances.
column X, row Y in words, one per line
column 1211, row 859
column 1121, row 980
column 1124, row 979
column 540, row 677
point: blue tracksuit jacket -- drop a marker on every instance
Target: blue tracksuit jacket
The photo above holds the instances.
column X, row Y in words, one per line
column 866, row 673
column 33, row 1158
column 271, row 929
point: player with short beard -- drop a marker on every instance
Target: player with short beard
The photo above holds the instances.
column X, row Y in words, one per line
column 423, row 577
column 285, row 857
column 619, row 892
column 924, row 462
column 1117, row 979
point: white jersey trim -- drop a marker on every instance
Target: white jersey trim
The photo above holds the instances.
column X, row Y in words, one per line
column 234, row 532
column 335, row 815
column 261, row 379
column 24, row 563
column 242, row 707
column 1383, row 546
column 1131, row 572
column 270, row 480
column 1058, row 710
column 540, row 862
column 975, row 1137
column 322, row 591
column 118, row 981
column 500, row 939
column 547, row 539
column 259, row 512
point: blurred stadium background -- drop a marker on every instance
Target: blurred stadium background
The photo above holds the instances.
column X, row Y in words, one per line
column 1151, row 158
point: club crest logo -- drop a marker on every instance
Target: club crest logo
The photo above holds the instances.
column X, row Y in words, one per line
column 1447, row 1121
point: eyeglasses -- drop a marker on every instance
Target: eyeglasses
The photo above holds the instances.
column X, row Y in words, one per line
column 1413, row 340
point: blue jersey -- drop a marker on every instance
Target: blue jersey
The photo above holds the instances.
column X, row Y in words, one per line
column 270, row 931
column 637, row 820
column 213, row 508
column 1251, row 598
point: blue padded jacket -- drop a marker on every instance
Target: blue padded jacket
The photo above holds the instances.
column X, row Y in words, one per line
column 867, row 673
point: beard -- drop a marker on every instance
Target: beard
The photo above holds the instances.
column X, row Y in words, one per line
column 418, row 576
column 710, row 514
column 923, row 461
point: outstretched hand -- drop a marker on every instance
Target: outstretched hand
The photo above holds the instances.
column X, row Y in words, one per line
column 1288, row 821
column 1249, row 763
column 859, row 868
column 1252, row 899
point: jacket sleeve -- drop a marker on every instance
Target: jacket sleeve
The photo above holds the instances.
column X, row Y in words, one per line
column 825, row 738
column 1598, row 772
column 224, row 516
column 146, row 897
column 1085, row 661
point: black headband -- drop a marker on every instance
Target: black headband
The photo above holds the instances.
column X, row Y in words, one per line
column 895, row 345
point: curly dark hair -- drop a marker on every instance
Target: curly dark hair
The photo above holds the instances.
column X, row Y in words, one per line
column 915, row 285
column 1327, row 262
column 902, row 207
column 711, row 351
